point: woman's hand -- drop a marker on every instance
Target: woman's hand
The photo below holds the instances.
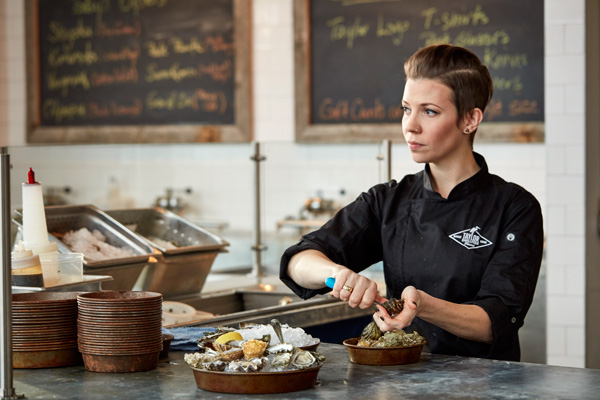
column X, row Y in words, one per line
column 412, row 301
column 357, row 290
column 468, row 321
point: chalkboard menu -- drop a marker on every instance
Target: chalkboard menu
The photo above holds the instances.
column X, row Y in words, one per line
column 149, row 69
column 351, row 53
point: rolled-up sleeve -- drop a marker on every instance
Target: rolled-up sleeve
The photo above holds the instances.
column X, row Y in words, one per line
column 509, row 282
column 343, row 239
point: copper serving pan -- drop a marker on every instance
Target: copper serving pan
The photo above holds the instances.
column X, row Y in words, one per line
column 382, row 355
column 120, row 363
column 256, row 382
column 50, row 358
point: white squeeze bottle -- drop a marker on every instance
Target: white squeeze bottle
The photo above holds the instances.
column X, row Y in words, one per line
column 35, row 230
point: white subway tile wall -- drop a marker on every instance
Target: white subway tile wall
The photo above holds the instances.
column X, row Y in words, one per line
column 221, row 177
column 565, row 160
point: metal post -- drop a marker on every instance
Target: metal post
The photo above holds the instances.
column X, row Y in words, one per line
column 386, row 156
column 258, row 246
column 8, row 391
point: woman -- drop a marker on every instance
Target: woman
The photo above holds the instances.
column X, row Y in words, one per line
column 461, row 246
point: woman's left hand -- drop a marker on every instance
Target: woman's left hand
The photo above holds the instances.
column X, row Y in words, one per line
column 412, row 301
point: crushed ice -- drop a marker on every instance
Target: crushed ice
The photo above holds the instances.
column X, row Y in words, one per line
column 296, row 336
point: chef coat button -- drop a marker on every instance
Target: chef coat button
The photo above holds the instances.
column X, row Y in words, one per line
column 510, row 237
column 513, row 320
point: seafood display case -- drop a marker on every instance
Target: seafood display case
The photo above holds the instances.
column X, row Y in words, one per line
column 188, row 250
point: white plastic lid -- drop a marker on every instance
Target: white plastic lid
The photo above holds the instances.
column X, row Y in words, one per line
column 23, row 258
column 20, row 252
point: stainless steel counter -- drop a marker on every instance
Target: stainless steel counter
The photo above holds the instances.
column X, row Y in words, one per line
column 435, row 376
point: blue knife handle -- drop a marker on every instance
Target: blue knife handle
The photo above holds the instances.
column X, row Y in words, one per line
column 329, row 282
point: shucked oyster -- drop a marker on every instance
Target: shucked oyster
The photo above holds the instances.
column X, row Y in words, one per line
column 227, row 352
column 281, row 348
column 252, row 365
column 282, row 360
column 196, row 359
column 253, row 348
column 303, row 359
column 206, row 361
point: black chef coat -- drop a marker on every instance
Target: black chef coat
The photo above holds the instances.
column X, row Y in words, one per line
column 482, row 245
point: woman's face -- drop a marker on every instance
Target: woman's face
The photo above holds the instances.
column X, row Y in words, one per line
column 429, row 123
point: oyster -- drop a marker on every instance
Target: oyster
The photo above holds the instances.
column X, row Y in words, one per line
column 393, row 338
column 209, row 337
column 253, row 348
column 281, row 348
column 227, row 352
column 393, row 306
column 197, row 359
column 281, row 360
column 303, row 359
column 218, row 365
column 252, row 365
column 371, row 332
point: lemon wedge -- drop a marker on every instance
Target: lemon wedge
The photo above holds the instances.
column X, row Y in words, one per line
column 229, row 336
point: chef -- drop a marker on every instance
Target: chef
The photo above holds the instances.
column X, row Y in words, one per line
column 460, row 245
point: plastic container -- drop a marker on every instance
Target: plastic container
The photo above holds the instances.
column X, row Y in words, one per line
column 26, row 268
column 68, row 265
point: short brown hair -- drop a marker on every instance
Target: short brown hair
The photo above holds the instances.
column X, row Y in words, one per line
column 457, row 68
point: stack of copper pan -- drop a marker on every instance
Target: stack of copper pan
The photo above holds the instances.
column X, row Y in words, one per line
column 44, row 330
column 120, row 331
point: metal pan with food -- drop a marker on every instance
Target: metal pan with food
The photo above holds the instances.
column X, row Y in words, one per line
column 228, row 363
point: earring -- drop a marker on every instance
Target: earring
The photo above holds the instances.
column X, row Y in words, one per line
column 467, row 130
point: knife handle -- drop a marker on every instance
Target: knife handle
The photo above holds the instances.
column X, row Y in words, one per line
column 329, row 282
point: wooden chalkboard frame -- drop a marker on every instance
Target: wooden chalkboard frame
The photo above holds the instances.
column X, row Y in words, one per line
column 241, row 131
column 501, row 132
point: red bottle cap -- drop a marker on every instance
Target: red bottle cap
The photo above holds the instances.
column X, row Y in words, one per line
column 31, row 176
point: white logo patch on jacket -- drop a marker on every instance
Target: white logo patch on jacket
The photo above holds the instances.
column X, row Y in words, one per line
column 470, row 238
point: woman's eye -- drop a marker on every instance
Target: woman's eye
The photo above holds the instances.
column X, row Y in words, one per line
column 429, row 111
column 405, row 109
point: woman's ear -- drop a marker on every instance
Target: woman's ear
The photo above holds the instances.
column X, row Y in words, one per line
column 472, row 120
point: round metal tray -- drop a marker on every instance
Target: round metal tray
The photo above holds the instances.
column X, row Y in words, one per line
column 256, row 382
column 382, row 355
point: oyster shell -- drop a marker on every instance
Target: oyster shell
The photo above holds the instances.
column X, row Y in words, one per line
column 281, row 360
column 253, row 348
column 393, row 306
column 252, row 365
column 303, row 359
column 371, row 332
column 218, row 365
column 281, row 348
column 227, row 352
column 197, row 359
column 393, row 338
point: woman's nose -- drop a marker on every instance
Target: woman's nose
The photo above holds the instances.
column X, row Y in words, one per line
column 410, row 123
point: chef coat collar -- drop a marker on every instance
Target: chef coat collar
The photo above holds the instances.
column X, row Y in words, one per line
column 467, row 186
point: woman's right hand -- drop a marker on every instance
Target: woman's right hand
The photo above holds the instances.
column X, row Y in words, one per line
column 355, row 289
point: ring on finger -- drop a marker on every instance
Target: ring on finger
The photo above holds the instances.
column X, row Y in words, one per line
column 348, row 288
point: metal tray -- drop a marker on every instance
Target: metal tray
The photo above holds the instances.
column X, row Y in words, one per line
column 62, row 219
column 166, row 225
column 256, row 382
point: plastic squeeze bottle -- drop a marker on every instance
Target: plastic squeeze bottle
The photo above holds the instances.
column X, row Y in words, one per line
column 26, row 269
column 35, row 230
